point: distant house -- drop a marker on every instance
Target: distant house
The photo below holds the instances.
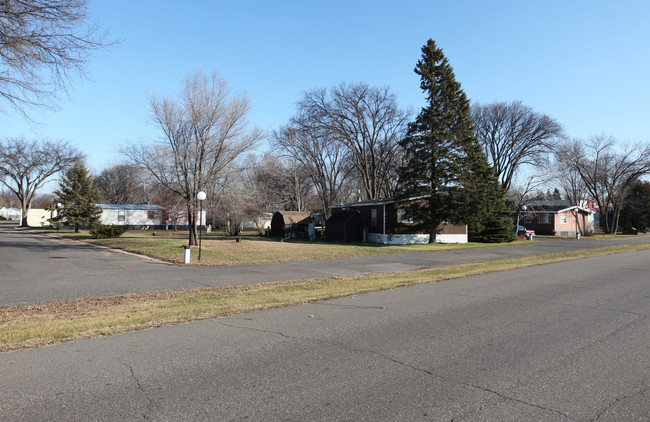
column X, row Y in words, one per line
column 258, row 221
column 284, row 223
column 10, row 213
column 385, row 221
column 556, row 218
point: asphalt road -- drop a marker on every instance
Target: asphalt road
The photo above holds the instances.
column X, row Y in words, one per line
column 37, row 269
column 560, row 342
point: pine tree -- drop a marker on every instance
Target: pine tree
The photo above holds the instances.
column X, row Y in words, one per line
column 78, row 195
column 445, row 162
column 482, row 200
column 557, row 195
column 435, row 142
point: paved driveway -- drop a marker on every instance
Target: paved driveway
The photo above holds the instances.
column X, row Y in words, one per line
column 36, row 269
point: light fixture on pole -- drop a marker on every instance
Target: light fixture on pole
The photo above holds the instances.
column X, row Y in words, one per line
column 201, row 197
column 58, row 221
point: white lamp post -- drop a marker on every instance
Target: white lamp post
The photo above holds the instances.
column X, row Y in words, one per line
column 58, row 222
column 201, row 197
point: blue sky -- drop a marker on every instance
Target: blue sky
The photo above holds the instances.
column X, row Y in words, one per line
column 584, row 63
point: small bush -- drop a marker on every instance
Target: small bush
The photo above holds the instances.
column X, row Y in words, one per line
column 106, row 232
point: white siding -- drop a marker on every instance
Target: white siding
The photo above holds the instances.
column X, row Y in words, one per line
column 37, row 217
column 414, row 239
column 131, row 218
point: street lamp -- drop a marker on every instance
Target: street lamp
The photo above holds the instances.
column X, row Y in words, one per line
column 201, row 197
column 58, row 221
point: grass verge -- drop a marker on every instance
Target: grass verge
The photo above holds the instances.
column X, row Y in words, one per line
column 28, row 326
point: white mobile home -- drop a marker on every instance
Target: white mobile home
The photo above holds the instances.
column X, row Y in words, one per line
column 134, row 216
column 40, row 217
column 10, row 213
column 144, row 216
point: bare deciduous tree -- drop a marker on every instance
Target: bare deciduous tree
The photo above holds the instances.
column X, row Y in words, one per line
column 367, row 122
column 203, row 133
column 607, row 171
column 42, row 44
column 7, row 198
column 277, row 184
column 513, row 135
column 232, row 203
column 25, row 166
column 46, row 200
column 121, row 184
column 175, row 212
column 525, row 193
column 326, row 161
column 569, row 180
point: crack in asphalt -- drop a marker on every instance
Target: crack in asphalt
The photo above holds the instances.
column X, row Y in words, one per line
column 567, row 358
column 404, row 364
column 610, row 405
column 145, row 415
column 259, row 330
column 475, row 386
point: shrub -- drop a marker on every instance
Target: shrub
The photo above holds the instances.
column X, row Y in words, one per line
column 105, row 232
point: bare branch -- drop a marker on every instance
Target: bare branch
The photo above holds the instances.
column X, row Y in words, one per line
column 514, row 135
column 607, row 171
column 43, row 44
column 368, row 123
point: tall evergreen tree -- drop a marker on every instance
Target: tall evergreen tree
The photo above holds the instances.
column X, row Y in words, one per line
column 78, row 195
column 481, row 200
column 638, row 202
column 444, row 161
column 435, row 142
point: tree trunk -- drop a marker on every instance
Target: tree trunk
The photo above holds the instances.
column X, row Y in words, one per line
column 432, row 235
column 617, row 214
column 577, row 214
column 24, row 206
column 191, row 225
column 193, row 241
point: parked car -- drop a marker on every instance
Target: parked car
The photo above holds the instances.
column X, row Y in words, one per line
column 524, row 232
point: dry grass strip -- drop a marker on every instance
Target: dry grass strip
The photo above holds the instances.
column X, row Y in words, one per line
column 28, row 326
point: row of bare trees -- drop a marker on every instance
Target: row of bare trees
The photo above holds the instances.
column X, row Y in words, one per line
column 342, row 143
column 347, row 139
column 603, row 170
column 530, row 154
